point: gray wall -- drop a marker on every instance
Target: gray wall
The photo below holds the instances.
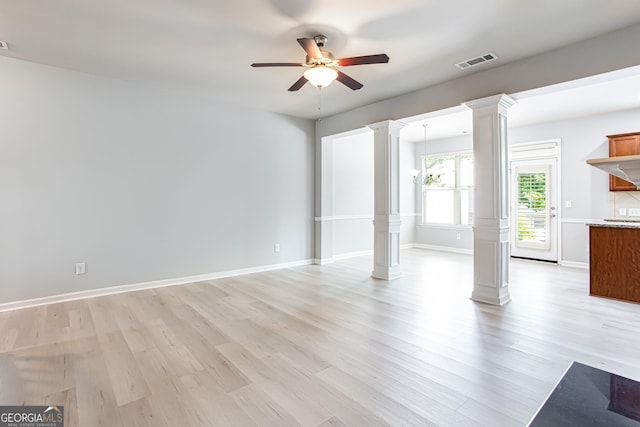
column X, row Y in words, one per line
column 585, row 186
column 568, row 63
column 562, row 65
column 408, row 210
column 141, row 184
column 352, row 193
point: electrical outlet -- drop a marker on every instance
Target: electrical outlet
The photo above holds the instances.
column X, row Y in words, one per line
column 276, row 247
column 622, row 211
column 567, row 204
column 458, row 236
column 634, row 211
column 81, row 268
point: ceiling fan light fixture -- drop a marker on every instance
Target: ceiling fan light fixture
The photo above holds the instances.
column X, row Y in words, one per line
column 320, row 76
column 321, row 65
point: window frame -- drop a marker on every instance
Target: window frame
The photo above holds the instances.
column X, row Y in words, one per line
column 457, row 190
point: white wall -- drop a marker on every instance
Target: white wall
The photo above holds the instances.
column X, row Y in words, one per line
column 141, row 184
column 585, row 186
column 408, row 210
column 352, row 193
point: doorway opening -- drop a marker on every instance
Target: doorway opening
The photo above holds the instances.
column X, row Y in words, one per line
column 534, row 196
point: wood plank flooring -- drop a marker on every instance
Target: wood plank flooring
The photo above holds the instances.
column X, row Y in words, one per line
column 317, row 346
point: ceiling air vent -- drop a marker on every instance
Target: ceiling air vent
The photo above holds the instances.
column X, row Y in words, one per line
column 476, row 61
column 4, row 45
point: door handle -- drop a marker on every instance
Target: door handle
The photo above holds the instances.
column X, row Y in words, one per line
column 552, row 215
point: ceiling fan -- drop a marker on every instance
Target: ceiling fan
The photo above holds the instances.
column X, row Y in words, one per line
column 322, row 65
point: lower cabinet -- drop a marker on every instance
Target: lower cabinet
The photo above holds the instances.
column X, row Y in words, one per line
column 615, row 262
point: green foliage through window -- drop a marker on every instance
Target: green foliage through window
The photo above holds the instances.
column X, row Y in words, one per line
column 532, row 205
column 532, row 189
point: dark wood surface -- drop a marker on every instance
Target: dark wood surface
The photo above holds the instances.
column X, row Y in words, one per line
column 623, row 145
column 615, row 262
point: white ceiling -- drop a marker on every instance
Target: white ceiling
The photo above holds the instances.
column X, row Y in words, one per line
column 610, row 92
column 207, row 46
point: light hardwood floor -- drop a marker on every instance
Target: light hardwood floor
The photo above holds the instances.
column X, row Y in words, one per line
column 317, row 346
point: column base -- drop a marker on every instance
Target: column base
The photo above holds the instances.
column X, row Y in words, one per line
column 386, row 275
column 489, row 299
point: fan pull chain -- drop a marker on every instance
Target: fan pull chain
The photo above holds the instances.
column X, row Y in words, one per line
column 319, row 98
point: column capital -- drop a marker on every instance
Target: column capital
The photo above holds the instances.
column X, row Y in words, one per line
column 387, row 124
column 501, row 100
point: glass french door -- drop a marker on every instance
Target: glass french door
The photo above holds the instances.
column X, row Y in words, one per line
column 534, row 212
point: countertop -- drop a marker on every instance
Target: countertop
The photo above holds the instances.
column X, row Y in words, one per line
column 615, row 223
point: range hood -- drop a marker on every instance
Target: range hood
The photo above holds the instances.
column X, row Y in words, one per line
column 625, row 167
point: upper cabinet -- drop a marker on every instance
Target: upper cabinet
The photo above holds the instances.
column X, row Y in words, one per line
column 626, row 144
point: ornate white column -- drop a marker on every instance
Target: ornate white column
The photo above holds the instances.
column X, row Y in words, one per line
column 491, row 200
column 386, row 223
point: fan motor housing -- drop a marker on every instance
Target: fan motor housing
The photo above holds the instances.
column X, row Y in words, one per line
column 320, row 40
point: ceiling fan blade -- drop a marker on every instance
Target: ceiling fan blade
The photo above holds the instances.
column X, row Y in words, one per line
column 276, row 64
column 348, row 81
column 310, row 46
column 380, row 58
column 297, row 85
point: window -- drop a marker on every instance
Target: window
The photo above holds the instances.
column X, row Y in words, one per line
column 532, row 212
column 447, row 190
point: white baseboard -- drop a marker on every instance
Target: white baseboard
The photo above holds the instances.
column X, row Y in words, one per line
column 91, row 293
column 402, row 247
column 324, row 261
column 444, row 248
column 572, row 264
column 367, row 252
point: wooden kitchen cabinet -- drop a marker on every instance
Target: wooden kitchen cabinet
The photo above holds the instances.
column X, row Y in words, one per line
column 626, row 144
column 615, row 261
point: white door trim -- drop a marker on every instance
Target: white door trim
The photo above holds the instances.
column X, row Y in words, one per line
column 541, row 150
